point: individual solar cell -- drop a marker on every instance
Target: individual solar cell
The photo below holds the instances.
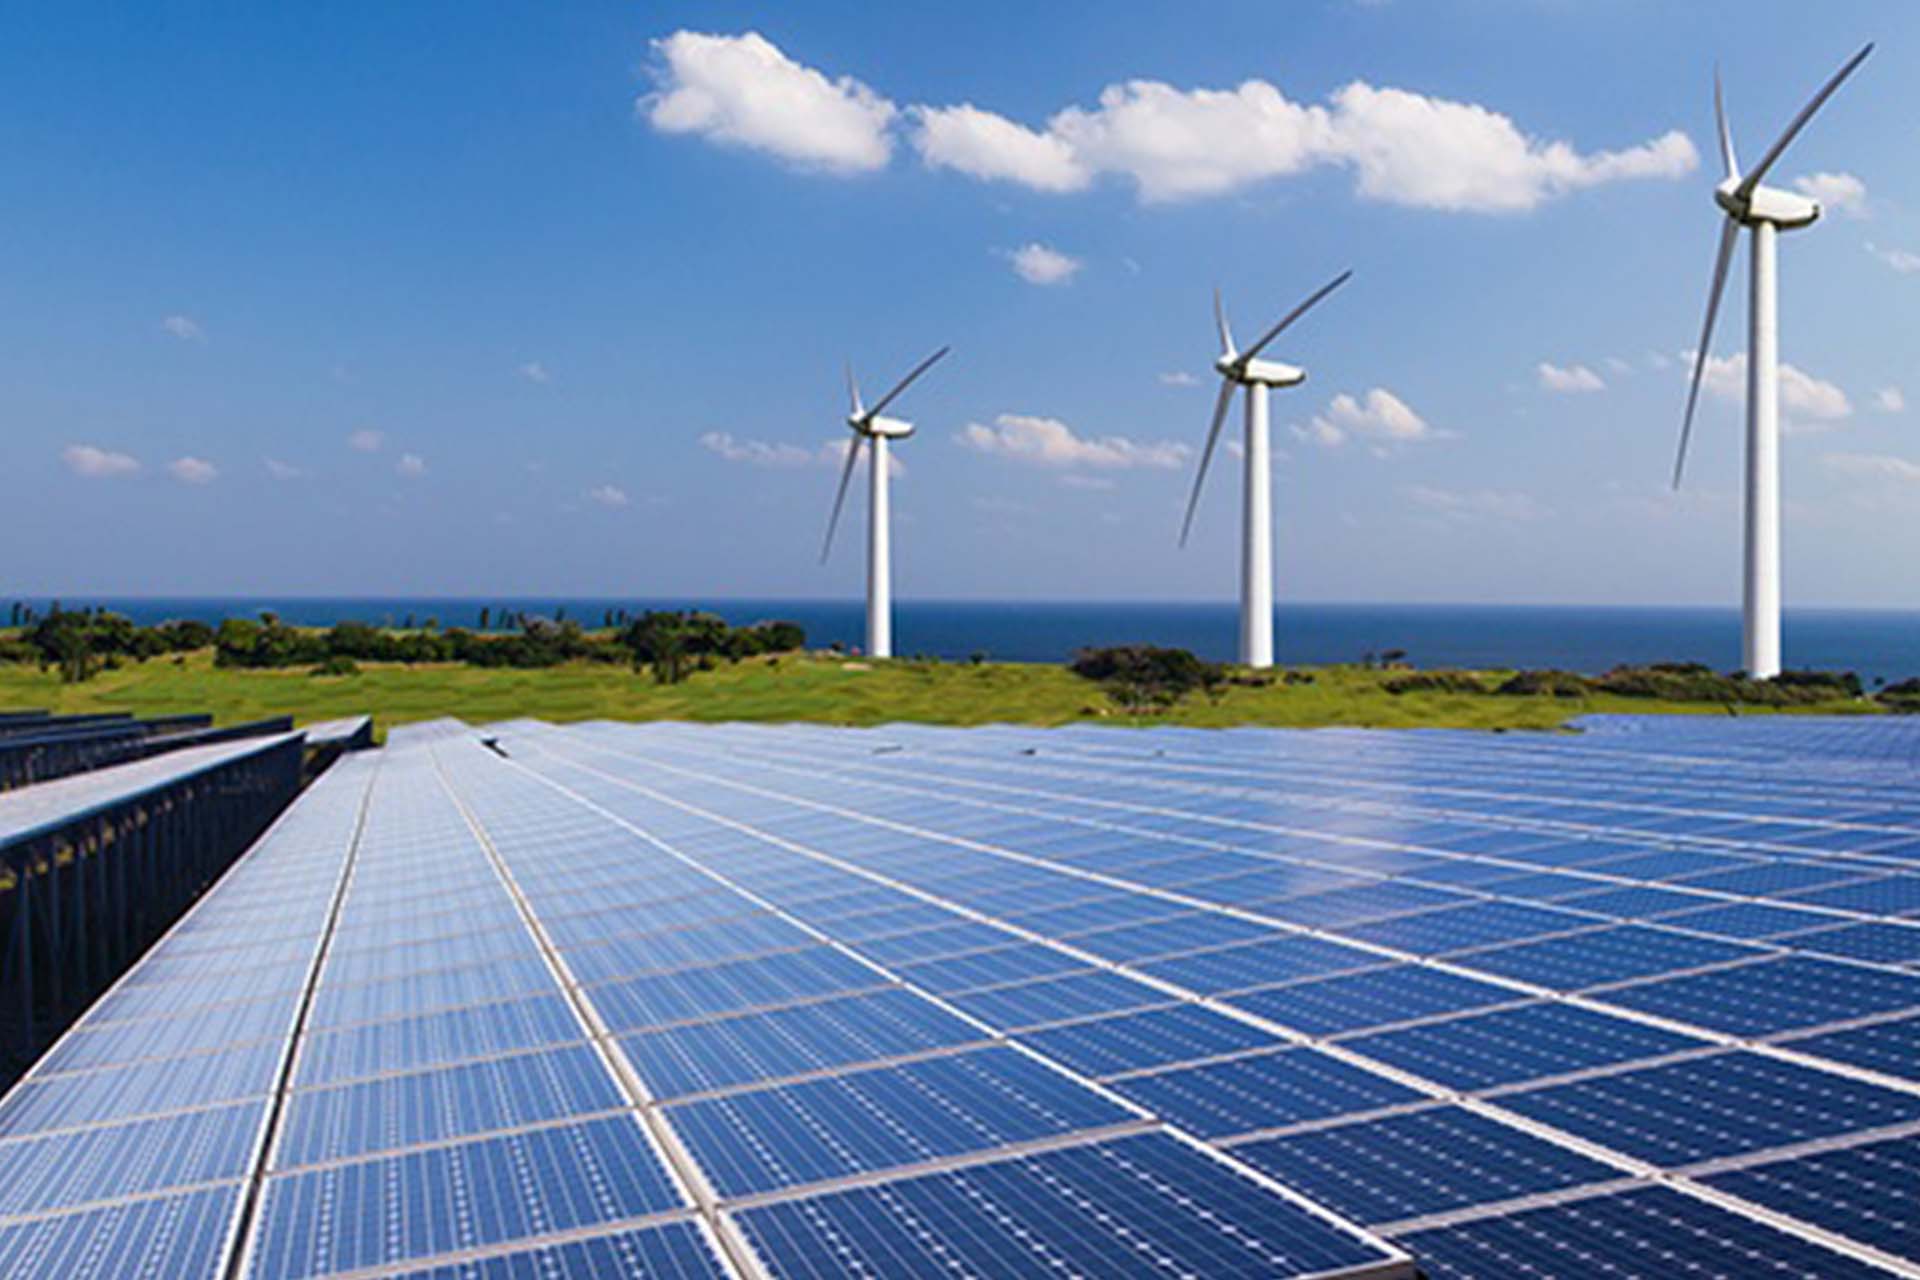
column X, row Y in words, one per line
column 1650, row 1234
column 1581, row 960
column 1370, row 999
column 44, row 1102
column 1704, row 1108
column 1110, row 1210
column 145, row 1155
column 866, row 1121
column 1155, row 1038
column 1264, row 1092
column 1420, row 1162
column 435, row 1039
column 1886, row 1047
column 1134, row 944
column 790, row 1042
column 1864, row 1193
column 977, row 969
column 672, row 1251
column 1510, row 1045
column 1260, row 964
column 347, row 1216
column 1773, row 996
column 397, row 1111
column 1884, row 896
column 1868, row 940
column 1081, row 995
column 1483, row 924
column 173, row 1235
column 1747, row 920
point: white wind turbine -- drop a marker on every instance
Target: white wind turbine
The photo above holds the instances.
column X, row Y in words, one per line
column 874, row 431
column 1765, row 211
column 1244, row 369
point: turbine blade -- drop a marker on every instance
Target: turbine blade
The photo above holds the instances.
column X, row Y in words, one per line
column 1752, row 180
column 853, row 392
column 905, row 382
column 1293, row 315
column 840, row 498
column 1220, row 322
column 1727, row 159
column 1728, row 234
column 1206, row 455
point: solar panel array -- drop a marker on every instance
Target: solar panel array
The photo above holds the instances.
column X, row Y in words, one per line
column 686, row 1001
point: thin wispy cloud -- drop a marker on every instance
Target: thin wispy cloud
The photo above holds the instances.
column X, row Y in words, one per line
column 1905, row 261
column 185, row 328
column 95, row 463
column 1049, row 442
column 608, row 495
column 1890, row 400
column 754, row 453
column 1568, row 380
column 283, row 470
column 1042, row 264
column 1477, row 505
column 1873, row 466
column 191, row 470
column 366, row 440
column 1179, row 378
column 411, row 465
column 534, row 371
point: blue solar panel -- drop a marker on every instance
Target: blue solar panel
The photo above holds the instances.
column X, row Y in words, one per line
column 1263, row 1092
column 673, row 1251
column 1509, row 1045
column 1887, row 1047
column 174, row 1235
column 1773, row 996
column 181, row 1150
column 1371, row 998
column 1034, row 1004
column 1865, row 1193
column 1140, row 1041
column 1581, row 960
column 1260, row 964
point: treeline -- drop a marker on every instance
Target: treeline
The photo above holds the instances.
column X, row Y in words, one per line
column 1664, row 681
column 80, row 642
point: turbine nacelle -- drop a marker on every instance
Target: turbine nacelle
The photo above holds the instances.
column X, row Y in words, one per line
column 888, row 428
column 1266, row 373
column 1787, row 210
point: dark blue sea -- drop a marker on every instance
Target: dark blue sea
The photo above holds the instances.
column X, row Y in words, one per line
column 1874, row 643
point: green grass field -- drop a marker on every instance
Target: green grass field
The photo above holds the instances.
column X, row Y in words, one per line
column 815, row 689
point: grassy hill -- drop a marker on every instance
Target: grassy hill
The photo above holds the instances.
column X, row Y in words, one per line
column 819, row 689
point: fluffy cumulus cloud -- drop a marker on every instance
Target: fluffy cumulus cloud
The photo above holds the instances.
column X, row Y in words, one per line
column 1890, row 400
column 754, row 453
column 191, row 470
column 1049, row 442
column 1170, row 143
column 185, row 328
column 1476, row 505
column 743, row 91
column 96, row 463
column 1873, row 466
column 411, row 465
column 610, row 496
column 1570, row 379
column 1837, row 192
column 1042, row 264
column 1810, row 403
column 1380, row 416
column 366, row 440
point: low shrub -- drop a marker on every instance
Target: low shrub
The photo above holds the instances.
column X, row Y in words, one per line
column 1442, row 681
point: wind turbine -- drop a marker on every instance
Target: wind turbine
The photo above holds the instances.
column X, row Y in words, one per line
column 1245, row 369
column 874, row 431
column 1765, row 211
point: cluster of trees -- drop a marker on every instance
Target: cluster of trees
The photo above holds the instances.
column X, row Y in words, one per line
column 1145, row 678
column 672, row 643
column 1665, row 681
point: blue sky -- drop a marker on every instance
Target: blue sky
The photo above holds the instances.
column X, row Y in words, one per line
column 496, row 299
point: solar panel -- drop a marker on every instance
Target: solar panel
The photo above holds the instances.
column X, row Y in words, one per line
column 697, row 1001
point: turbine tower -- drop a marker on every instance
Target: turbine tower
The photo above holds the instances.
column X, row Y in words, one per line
column 1245, row 369
column 1765, row 211
column 871, row 429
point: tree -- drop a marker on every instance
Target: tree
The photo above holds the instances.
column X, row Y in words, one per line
column 1147, row 678
column 484, row 613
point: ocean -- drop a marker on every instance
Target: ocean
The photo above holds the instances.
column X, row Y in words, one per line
column 1882, row 644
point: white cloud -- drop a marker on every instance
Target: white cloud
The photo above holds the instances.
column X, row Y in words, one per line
column 743, row 91
column 1617, row 365
column 1052, row 443
column 1572, row 379
column 755, row 453
column 834, row 454
column 1890, row 400
column 1095, row 484
column 1657, row 360
column 1875, row 466
column 98, row 464
column 1179, row 378
column 1041, row 264
column 1904, row 261
column 1174, row 144
column 1380, row 416
column 411, row 465
column 1476, row 505
column 282, row 470
column 1810, row 401
column 1839, row 192
column 534, row 371
column 983, row 145
column 191, row 470
column 608, row 495
column 184, row 328
column 366, row 440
